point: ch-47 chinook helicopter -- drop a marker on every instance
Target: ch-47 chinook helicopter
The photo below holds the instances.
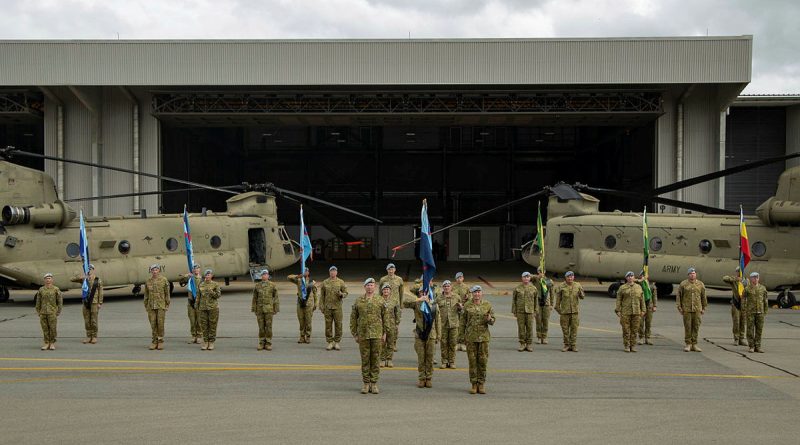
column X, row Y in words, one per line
column 40, row 232
column 604, row 245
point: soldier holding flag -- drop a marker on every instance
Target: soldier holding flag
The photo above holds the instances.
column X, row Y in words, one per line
column 306, row 287
column 91, row 288
column 194, row 315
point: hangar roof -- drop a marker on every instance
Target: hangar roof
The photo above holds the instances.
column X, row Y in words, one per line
column 466, row 62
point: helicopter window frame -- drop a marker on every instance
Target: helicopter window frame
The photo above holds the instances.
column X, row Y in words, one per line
column 215, row 241
column 705, row 246
column 73, row 250
column 566, row 240
column 610, row 242
column 172, row 244
column 758, row 249
column 656, row 244
column 124, row 247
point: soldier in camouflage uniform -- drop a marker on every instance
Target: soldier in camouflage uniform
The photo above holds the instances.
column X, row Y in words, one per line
column 398, row 290
column 208, row 307
column 524, row 307
column 737, row 314
column 424, row 342
column 568, row 296
column 91, row 307
column 630, row 309
column 265, row 305
column 645, row 328
column 307, row 306
column 691, row 302
column 49, row 304
column 544, row 286
column 460, row 289
column 476, row 318
column 755, row 306
column 191, row 310
column 333, row 292
column 449, row 309
column 368, row 326
column 392, row 312
column 156, row 302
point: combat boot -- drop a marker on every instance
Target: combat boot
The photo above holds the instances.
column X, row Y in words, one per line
column 211, row 346
column 741, row 342
column 205, row 346
column 336, row 346
column 421, row 383
column 268, row 347
column 365, row 388
column 696, row 349
column 382, row 364
column 544, row 341
column 759, row 350
column 374, row 389
column 428, row 383
column 565, row 348
column 444, row 365
column 93, row 340
column 301, row 339
column 521, row 347
column 641, row 341
column 160, row 346
column 192, row 341
column 529, row 347
column 573, row 348
column 751, row 350
column 45, row 346
column 481, row 389
column 260, row 347
column 633, row 349
column 452, row 365
column 389, row 364
column 329, row 347
column 626, row 349
column 153, row 346
column 52, row 347
column 648, row 341
column 687, row 348
column 474, row 389
column 86, row 340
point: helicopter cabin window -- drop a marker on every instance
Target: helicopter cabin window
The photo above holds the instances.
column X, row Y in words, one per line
column 656, row 244
column 257, row 245
column 705, row 246
column 172, row 244
column 216, row 241
column 566, row 240
column 73, row 250
column 758, row 248
column 283, row 235
column 124, row 247
column 611, row 242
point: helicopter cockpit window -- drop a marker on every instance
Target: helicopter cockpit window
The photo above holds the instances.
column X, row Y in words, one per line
column 73, row 250
column 216, row 241
column 124, row 247
column 705, row 246
column 611, row 241
column 172, row 244
column 759, row 249
column 656, row 244
column 566, row 240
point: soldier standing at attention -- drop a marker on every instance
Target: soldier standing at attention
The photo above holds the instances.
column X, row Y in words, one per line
column 333, row 292
column 524, row 306
column 476, row 318
column 208, row 307
column 461, row 290
column 305, row 308
column 369, row 325
column 398, row 290
column 424, row 342
column 737, row 313
column 651, row 304
column 545, row 305
column 49, row 304
column 449, row 310
column 392, row 312
column 568, row 296
column 630, row 309
column 755, row 307
column 265, row 305
column 92, row 305
column 156, row 302
column 691, row 302
column 191, row 310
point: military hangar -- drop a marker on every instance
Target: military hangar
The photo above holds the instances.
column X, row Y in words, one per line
column 376, row 125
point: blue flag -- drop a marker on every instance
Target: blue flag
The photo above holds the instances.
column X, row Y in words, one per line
column 428, row 268
column 305, row 254
column 84, row 248
column 187, row 237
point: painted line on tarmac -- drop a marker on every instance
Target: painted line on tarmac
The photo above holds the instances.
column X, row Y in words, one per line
column 162, row 362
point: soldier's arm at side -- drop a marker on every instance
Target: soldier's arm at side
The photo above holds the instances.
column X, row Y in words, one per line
column 581, row 293
column 514, row 297
column 437, row 324
column 354, row 322
column 59, row 302
column 679, row 298
column 386, row 323
column 99, row 292
column 276, row 302
column 166, row 294
column 462, row 325
column 255, row 299
column 556, row 292
column 654, row 297
column 618, row 305
column 766, row 301
column 492, row 318
column 146, row 300
column 37, row 299
column 343, row 291
column 315, row 295
column 703, row 298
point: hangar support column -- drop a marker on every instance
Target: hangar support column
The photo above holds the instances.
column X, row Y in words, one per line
column 793, row 134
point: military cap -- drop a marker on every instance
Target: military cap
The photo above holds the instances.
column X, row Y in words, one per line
column 369, row 280
column 569, row 274
column 476, row 288
column 208, row 271
column 691, row 270
column 385, row 286
column 446, row 283
column 264, row 271
column 91, row 266
column 48, row 274
column 391, row 266
column 459, row 275
column 526, row 274
column 332, row 268
column 155, row 266
column 754, row 275
column 196, row 266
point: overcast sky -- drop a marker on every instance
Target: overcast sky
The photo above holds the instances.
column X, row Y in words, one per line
column 774, row 24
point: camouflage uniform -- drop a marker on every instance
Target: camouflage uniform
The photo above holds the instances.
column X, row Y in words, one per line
column 647, row 320
column 755, row 305
column 398, row 290
column 156, row 302
column 545, row 307
column 194, row 314
column 630, row 306
column 475, row 329
column 462, row 291
column 393, row 315
column 91, row 313
column 738, row 316
column 449, row 310
column 424, row 348
column 691, row 300
column 265, row 305
column 567, row 301
column 305, row 309
column 524, row 306
column 333, row 291
column 368, row 323
column 49, row 304
column 208, row 307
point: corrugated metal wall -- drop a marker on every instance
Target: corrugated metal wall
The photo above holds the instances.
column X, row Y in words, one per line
column 793, row 134
column 149, row 149
column 701, row 143
column 382, row 62
column 117, row 121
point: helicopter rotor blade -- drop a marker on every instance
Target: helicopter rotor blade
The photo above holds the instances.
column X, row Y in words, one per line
column 659, row 199
column 323, row 220
column 722, row 173
column 127, row 195
column 284, row 191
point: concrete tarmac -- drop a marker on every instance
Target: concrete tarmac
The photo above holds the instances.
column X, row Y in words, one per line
column 119, row 391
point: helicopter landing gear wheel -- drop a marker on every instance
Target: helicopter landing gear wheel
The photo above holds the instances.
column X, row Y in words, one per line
column 137, row 290
column 3, row 294
column 612, row 290
column 664, row 289
column 786, row 299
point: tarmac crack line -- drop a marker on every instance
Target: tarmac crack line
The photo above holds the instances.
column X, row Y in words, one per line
column 13, row 318
column 750, row 358
column 790, row 324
